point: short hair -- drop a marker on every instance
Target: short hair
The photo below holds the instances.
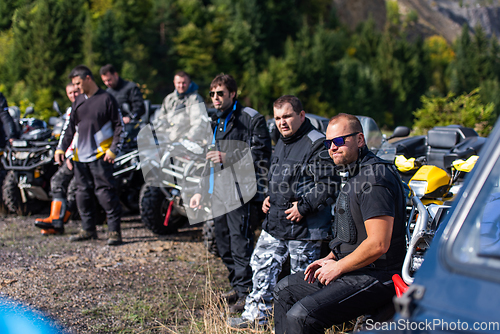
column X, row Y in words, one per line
column 353, row 121
column 108, row 68
column 228, row 81
column 293, row 100
column 182, row 74
column 69, row 84
column 81, row 71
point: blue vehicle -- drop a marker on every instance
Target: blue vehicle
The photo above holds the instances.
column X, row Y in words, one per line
column 457, row 288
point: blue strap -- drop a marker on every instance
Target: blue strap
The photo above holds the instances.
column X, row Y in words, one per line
column 211, row 180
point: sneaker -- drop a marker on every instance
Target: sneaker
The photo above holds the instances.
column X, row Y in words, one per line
column 239, row 306
column 114, row 238
column 230, row 296
column 241, row 323
column 253, row 325
column 83, row 235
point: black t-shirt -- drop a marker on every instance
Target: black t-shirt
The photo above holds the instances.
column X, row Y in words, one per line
column 376, row 190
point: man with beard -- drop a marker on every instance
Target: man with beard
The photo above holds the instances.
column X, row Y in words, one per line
column 302, row 186
column 368, row 245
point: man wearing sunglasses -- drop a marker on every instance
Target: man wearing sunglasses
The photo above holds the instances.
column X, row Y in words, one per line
column 368, row 244
column 302, row 187
column 181, row 110
column 233, row 124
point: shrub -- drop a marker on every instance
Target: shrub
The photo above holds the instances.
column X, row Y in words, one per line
column 466, row 110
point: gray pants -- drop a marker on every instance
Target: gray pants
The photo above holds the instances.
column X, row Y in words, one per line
column 267, row 259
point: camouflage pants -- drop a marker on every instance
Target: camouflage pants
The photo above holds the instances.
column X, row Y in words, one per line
column 267, row 258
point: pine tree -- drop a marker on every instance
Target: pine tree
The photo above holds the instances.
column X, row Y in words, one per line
column 47, row 41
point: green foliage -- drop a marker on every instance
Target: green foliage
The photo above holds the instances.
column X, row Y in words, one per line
column 465, row 109
column 393, row 15
column 46, row 38
column 271, row 47
column 441, row 55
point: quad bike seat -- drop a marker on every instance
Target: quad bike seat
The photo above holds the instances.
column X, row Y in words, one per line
column 441, row 140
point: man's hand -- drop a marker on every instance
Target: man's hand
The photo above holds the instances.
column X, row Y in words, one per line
column 126, row 119
column 266, row 205
column 311, row 270
column 194, row 203
column 69, row 164
column 59, row 158
column 216, row 156
column 109, row 158
column 328, row 272
column 309, row 274
column 293, row 213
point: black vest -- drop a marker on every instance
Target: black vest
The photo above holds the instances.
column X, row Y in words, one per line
column 349, row 229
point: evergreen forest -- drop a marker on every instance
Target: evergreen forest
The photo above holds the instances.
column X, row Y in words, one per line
column 271, row 47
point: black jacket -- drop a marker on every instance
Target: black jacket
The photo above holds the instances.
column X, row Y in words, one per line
column 8, row 129
column 99, row 124
column 128, row 92
column 244, row 130
column 301, row 170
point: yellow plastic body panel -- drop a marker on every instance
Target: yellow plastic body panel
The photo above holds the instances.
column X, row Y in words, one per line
column 436, row 179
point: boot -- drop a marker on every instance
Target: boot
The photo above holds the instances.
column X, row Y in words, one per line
column 52, row 231
column 56, row 220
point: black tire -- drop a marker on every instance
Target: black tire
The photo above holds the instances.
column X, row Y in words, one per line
column 3, row 208
column 209, row 237
column 12, row 198
column 130, row 200
column 153, row 207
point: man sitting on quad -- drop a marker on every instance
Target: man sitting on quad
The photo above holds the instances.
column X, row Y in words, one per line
column 183, row 111
column 368, row 245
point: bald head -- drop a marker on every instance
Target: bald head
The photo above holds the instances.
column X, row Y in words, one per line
column 349, row 132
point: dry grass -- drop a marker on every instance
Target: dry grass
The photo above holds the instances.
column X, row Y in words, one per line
column 149, row 285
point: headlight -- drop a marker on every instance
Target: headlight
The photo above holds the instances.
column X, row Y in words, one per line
column 19, row 143
column 419, row 188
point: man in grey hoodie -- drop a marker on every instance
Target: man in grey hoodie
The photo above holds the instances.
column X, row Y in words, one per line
column 183, row 110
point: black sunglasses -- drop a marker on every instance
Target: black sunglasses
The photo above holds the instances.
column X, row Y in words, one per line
column 337, row 141
column 219, row 93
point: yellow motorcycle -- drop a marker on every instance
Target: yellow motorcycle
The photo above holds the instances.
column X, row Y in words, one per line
column 433, row 191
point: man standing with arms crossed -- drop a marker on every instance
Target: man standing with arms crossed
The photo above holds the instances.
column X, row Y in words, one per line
column 234, row 234
column 100, row 129
column 301, row 190
column 368, row 245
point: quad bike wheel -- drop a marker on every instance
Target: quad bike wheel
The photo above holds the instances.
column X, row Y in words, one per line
column 209, row 237
column 153, row 208
column 3, row 208
column 12, row 198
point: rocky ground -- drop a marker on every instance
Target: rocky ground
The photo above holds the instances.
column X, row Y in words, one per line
column 150, row 284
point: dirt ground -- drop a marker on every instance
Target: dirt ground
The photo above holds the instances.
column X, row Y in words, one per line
column 150, row 284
